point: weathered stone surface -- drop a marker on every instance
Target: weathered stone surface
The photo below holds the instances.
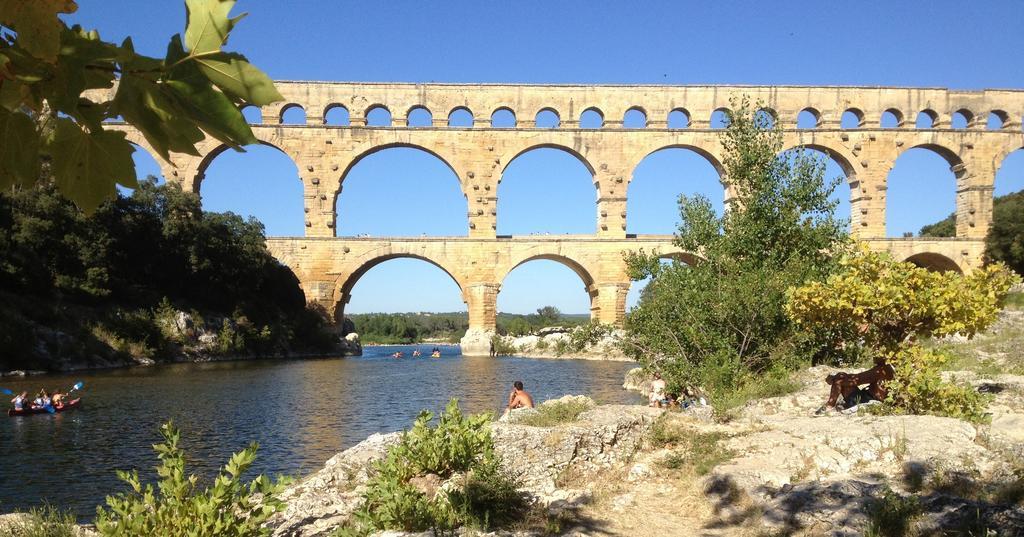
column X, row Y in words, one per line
column 328, row 267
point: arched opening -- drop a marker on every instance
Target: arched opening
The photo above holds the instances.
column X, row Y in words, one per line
column 336, row 115
column 1010, row 174
column 637, row 288
column 808, row 118
column 261, row 183
column 419, row 116
column 401, row 192
column 961, row 119
column 293, row 114
column 765, row 118
column 544, row 281
column 378, row 116
column 997, row 119
column 678, row 119
column 652, row 200
column 503, row 118
column 891, row 119
column 545, row 190
column 253, row 115
column 921, row 192
column 591, row 118
column 397, row 284
column 546, row 119
column 934, row 262
column 635, row 118
column 720, row 118
column 460, row 117
column 836, row 167
column 852, row 118
column 926, row 119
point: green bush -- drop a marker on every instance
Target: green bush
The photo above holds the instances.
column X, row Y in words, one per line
column 918, row 388
column 555, row 412
column 43, row 522
column 485, row 494
column 892, row 515
column 502, row 347
column 585, row 336
column 178, row 508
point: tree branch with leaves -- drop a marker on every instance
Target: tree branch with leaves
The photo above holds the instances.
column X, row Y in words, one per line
column 49, row 113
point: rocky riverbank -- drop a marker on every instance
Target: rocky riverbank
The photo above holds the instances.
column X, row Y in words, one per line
column 633, row 470
column 557, row 343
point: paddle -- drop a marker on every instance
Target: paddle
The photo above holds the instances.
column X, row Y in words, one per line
column 5, row 391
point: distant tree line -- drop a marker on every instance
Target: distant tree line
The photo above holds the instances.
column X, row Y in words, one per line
column 394, row 328
column 1005, row 240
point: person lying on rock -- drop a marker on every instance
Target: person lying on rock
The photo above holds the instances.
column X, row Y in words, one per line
column 519, row 398
column 848, row 386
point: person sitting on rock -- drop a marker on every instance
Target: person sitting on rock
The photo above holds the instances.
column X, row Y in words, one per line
column 519, row 398
column 847, row 386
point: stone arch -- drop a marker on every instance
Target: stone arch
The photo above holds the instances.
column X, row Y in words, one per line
column 769, row 115
column 382, row 147
column 808, row 116
column 998, row 119
column 635, row 117
column 547, row 118
column 345, row 284
column 712, row 159
column 636, row 287
column 460, row 114
column 666, row 172
column 962, row 119
column 253, row 114
column 592, row 114
column 211, row 155
column 851, row 118
column 335, row 109
column 956, row 168
column 720, row 117
column 926, row 119
column 575, row 266
column 419, row 116
column 579, row 156
column 678, row 118
column 891, row 118
column 374, row 108
column 843, row 157
column 495, row 117
column 934, row 262
column 289, row 108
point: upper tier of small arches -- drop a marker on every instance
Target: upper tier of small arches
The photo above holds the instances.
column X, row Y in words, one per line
column 636, row 107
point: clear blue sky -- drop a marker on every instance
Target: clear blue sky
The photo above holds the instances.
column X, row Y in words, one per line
column 969, row 45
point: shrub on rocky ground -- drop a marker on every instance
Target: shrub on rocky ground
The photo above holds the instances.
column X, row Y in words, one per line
column 42, row 522
column 177, row 507
column 439, row 479
column 892, row 515
column 555, row 412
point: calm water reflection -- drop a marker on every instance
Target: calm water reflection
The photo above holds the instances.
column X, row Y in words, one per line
column 300, row 412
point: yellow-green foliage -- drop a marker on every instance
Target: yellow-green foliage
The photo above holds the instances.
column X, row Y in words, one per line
column 889, row 306
column 886, row 302
column 178, row 508
column 43, row 522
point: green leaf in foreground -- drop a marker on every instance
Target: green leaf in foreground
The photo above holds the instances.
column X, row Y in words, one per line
column 19, row 149
column 208, row 24
column 37, row 24
column 87, row 166
column 239, row 78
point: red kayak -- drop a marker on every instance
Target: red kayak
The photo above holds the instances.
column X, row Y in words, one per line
column 74, row 403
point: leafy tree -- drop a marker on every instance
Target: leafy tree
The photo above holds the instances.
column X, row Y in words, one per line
column 48, row 113
column 721, row 320
column 548, row 314
column 890, row 307
column 888, row 304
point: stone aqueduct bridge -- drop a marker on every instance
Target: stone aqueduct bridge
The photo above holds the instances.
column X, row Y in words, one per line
column 328, row 266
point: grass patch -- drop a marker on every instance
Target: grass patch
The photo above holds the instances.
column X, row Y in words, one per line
column 892, row 515
column 774, row 383
column 554, row 413
column 43, row 522
column 1015, row 301
column 698, row 451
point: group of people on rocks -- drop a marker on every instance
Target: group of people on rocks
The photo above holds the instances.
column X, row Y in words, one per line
column 43, row 400
column 660, row 397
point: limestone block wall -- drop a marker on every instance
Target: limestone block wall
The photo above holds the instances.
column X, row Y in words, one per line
column 478, row 156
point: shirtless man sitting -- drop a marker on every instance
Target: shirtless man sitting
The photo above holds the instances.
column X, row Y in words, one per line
column 519, row 398
column 848, row 385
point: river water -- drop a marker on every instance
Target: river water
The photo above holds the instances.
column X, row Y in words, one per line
column 300, row 412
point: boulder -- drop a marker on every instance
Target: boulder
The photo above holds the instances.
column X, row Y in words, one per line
column 476, row 342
